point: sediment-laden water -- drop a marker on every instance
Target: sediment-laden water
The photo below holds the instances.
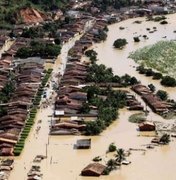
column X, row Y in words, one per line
column 65, row 163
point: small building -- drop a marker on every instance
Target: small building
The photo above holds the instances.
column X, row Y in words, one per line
column 156, row 140
column 93, row 169
column 147, row 126
column 83, row 144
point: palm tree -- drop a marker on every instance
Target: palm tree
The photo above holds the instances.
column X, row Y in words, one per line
column 165, row 139
column 112, row 164
column 120, row 156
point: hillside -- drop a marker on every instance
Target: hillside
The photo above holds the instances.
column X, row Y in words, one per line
column 30, row 15
column 25, row 11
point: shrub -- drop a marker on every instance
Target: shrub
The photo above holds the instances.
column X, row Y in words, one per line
column 168, row 81
column 112, row 147
column 163, row 22
column 149, row 72
column 162, row 95
column 96, row 159
column 157, row 75
column 136, row 39
column 120, row 43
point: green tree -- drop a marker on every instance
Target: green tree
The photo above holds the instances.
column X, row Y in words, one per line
column 149, row 72
column 84, row 109
column 120, row 156
column 152, row 87
column 120, row 43
column 168, row 81
column 57, row 41
column 112, row 147
column 141, row 69
column 133, row 81
column 93, row 127
column 111, row 164
column 157, row 75
column 165, row 139
column 162, row 95
column 136, row 39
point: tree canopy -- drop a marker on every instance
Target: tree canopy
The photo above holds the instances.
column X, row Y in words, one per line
column 120, row 43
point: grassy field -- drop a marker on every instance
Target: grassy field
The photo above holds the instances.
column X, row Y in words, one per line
column 160, row 56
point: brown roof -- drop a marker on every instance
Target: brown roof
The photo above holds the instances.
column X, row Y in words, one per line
column 93, row 169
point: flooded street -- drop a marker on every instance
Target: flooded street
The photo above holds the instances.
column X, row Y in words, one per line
column 65, row 163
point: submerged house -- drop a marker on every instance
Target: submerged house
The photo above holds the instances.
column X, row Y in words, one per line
column 147, row 126
column 93, row 169
column 83, row 144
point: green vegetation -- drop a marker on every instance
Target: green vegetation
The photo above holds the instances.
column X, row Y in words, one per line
column 9, row 9
column 112, row 165
column 39, row 50
column 163, row 95
column 24, row 134
column 157, row 75
column 137, row 22
column 120, row 156
column 157, row 18
column 117, row 4
column 7, row 91
column 85, row 108
column 107, row 109
column 165, row 80
column 49, row 29
column 137, row 118
column 163, row 22
column 33, row 32
column 101, row 74
column 136, row 39
column 30, row 120
column 165, row 139
column 97, row 159
column 102, row 34
column 168, row 81
column 160, row 56
column 152, row 87
column 120, row 43
column 92, row 55
column 112, row 147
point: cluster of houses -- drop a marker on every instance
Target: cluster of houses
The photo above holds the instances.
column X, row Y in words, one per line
column 28, row 79
column 7, row 57
column 154, row 102
column 6, row 166
column 71, row 98
column 86, row 41
column 34, row 173
column 81, row 25
column 133, row 103
column 68, row 103
column 75, row 74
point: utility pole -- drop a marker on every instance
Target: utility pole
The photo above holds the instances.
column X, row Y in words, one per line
column 46, row 150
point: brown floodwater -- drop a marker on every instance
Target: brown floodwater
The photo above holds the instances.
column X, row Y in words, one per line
column 65, row 163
